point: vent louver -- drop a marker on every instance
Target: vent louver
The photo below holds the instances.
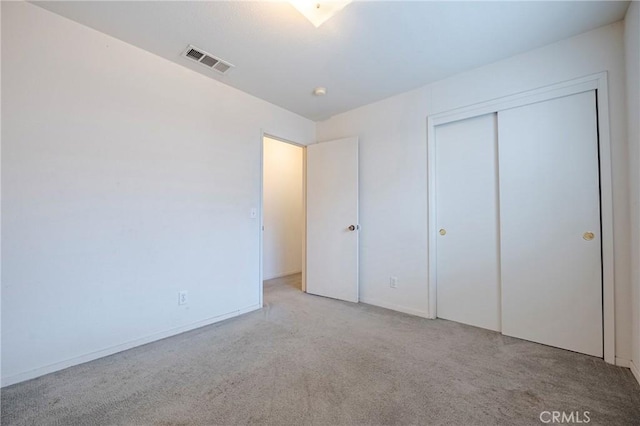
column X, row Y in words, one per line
column 194, row 54
column 206, row 59
column 209, row 61
column 221, row 67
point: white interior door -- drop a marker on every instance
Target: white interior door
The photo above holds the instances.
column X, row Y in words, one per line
column 550, row 223
column 467, row 217
column 332, row 219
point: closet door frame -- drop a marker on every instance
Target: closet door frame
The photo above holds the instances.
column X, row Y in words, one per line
column 597, row 82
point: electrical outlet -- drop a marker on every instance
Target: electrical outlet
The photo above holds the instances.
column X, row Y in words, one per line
column 182, row 298
column 393, row 282
column 254, row 213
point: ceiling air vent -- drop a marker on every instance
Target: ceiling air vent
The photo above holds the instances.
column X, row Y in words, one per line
column 206, row 59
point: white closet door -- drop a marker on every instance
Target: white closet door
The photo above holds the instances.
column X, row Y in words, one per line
column 467, row 217
column 550, row 223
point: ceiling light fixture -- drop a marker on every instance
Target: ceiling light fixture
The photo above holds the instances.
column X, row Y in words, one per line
column 318, row 12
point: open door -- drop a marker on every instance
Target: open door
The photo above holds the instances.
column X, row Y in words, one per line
column 332, row 219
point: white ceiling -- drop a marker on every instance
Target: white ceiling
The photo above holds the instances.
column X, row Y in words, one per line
column 367, row 52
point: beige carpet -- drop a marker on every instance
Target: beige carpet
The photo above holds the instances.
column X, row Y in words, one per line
column 310, row 360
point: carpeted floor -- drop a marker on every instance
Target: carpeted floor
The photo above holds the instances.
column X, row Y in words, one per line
column 310, row 360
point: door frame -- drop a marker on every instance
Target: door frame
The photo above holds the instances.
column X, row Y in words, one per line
column 303, row 243
column 597, row 82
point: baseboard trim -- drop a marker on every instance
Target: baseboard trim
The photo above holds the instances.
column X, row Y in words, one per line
column 635, row 370
column 248, row 309
column 622, row 362
column 52, row 368
column 285, row 274
column 395, row 307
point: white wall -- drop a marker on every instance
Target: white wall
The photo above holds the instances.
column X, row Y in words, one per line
column 125, row 178
column 282, row 209
column 632, row 53
column 393, row 164
column 0, row 197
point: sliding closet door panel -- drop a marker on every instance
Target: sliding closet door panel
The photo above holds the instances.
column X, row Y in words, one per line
column 466, row 205
column 550, row 223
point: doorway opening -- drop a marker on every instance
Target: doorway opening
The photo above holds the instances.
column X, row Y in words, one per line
column 283, row 214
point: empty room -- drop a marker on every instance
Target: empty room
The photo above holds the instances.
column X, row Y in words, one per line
column 330, row 213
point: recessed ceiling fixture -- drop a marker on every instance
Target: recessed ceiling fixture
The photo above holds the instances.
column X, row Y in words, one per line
column 206, row 59
column 320, row 91
column 318, row 12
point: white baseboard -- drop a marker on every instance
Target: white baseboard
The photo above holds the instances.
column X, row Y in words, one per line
column 32, row 374
column 622, row 362
column 284, row 274
column 394, row 307
column 635, row 370
column 249, row 309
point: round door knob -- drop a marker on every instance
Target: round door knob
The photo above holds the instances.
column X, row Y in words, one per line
column 352, row 227
column 443, row 231
column 588, row 236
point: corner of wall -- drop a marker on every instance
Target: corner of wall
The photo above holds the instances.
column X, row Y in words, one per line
column 632, row 59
